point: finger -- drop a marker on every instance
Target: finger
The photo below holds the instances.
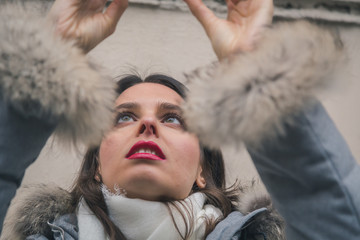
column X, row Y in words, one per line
column 204, row 15
column 92, row 5
column 115, row 10
column 244, row 7
column 237, row 1
column 230, row 5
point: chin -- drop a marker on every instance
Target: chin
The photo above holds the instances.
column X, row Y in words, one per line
column 149, row 194
column 151, row 190
column 149, row 183
column 147, row 188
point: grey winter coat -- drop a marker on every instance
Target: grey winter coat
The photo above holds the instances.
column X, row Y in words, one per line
column 265, row 98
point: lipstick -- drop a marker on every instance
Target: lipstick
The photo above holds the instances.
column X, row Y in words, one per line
column 146, row 150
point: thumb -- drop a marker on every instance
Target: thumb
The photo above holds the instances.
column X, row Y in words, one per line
column 203, row 14
column 115, row 10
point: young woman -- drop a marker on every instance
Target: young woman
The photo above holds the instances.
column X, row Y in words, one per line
column 141, row 162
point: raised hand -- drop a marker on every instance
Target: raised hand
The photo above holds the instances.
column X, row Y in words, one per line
column 242, row 28
column 85, row 21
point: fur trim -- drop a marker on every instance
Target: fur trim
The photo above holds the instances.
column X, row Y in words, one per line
column 270, row 223
column 36, row 205
column 46, row 77
column 248, row 96
column 32, row 208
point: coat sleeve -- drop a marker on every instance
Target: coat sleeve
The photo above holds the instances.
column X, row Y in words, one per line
column 312, row 177
column 21, row 140
column 265, row 99
column 45, row 83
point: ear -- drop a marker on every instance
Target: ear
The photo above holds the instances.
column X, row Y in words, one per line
column 200, row 180
column 98, row 175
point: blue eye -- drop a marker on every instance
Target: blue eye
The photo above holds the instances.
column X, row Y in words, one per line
column 125, row 117
column 173, row 120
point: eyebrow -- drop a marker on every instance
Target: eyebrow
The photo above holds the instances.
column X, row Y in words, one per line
column 128, row 105
column 164, row 106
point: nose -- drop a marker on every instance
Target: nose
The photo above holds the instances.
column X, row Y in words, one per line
column 148, row 127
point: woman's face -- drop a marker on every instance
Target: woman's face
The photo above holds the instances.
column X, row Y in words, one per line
column 148, row 153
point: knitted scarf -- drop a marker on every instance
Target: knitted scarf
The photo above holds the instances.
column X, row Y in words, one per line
column 140, row 219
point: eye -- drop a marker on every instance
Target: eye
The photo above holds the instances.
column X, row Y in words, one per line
column 173, row 119
column 125, row 117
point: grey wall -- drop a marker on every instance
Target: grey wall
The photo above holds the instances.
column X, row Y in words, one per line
column 171, row 42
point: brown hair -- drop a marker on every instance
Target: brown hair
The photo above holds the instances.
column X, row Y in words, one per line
column 88, row 188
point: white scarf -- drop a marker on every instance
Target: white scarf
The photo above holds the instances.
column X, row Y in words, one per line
column 140, row 219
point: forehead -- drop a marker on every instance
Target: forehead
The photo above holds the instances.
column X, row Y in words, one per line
column 149, row 93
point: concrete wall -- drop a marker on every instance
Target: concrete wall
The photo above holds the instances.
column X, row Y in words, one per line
column 171, row 42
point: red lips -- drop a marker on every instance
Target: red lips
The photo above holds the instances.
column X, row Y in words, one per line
column 145, row 150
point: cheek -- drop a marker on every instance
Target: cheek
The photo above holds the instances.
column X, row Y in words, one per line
column 110, row 149
column 187, row 166
column 188, row 153
column 106, row 150
column 110, row 159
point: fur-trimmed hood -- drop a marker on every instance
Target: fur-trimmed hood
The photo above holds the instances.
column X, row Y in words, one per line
column 32, row 208
column 35, row 206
